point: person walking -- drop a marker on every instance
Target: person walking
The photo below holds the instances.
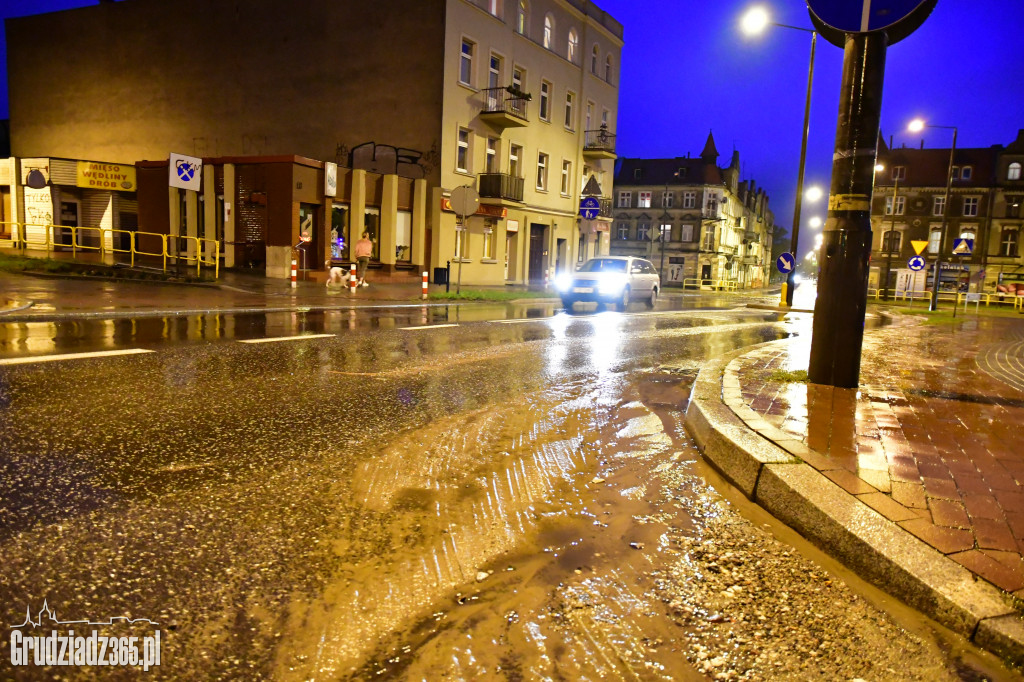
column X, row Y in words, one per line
column 363, row 249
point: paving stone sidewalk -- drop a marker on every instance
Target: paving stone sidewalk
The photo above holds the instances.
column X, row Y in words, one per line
column 933, row 440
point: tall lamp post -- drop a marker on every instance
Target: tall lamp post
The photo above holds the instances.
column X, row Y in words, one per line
column 754, row 22
column 917, row 126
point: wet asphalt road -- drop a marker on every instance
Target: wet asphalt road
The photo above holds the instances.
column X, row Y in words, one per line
column 496, row 499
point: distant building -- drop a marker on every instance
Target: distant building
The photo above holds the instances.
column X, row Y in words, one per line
column 909, row 203
column 693, row 219
column 515, row 99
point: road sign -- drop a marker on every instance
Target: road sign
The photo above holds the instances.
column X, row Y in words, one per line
column 919, row 245
column 590, row 207
column 963, row 246
column 785, row 263
column 186, row 172
column 916, row 263
column 898, row 18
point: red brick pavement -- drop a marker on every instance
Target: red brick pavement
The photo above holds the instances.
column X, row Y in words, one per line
column 933, row 440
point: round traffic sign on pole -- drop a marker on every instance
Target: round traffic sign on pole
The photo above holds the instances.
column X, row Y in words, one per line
column 916, row 263
column 897, row 18
column 590, row 208
column 786, row 263
column 465, row 200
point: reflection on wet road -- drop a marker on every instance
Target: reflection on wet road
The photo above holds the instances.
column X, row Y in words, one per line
column 487, row 500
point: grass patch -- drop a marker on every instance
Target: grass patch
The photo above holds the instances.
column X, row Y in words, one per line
column 782, row 375
column 944, row 315
column 485, row 295
column 49, row 266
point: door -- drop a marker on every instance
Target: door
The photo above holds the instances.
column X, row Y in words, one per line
column 69, row 218
column 538, row 242
column 705, row 271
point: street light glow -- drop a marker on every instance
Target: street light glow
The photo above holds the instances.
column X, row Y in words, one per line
column 813, row 193
column 814, row 222
column 916, row 126
column 754, row 21
column 879, row 167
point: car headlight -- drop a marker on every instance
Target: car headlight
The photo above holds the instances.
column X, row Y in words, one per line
column 563, row 282
column 611, row 285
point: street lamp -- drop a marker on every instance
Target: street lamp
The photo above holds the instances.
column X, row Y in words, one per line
column 754, row 22
column 814, row 222
column 916, row 126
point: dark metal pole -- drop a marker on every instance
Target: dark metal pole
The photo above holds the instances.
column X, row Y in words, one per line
column 787, row 289
column 846, row 246
column 933, row 303
column 888, row 250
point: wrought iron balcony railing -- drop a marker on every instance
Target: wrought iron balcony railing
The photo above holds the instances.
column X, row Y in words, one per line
column 599, row 141
column 504, row 102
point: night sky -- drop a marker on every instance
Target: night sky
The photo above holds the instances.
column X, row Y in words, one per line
column 688, row 69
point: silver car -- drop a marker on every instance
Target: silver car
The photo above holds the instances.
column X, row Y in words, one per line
column 611, row 279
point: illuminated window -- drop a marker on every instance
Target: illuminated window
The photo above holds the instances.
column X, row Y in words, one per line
column 574, row 46
column 938, row 205
column 644, row 201
column 542, row 172
column 1013, row 171
column 522, row 17
column 549, row 30
column 566, row 174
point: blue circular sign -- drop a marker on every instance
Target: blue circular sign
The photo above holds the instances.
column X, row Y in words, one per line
column 590, row 207
column 786, row 263
column 898, row 18
column 916, row 263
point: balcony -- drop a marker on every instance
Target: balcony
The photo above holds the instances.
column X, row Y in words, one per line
column 504, row 108
column 500, row 186
column 599, row 144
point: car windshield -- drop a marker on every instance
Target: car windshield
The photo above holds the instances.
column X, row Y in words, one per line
column 604, row 265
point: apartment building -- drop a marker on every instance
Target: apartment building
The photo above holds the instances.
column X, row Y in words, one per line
column 693, row 219
column 515, row 98
column 984, row 205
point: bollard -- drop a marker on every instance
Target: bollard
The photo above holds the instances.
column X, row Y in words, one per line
column 546, row 275
column 295, row 273
column 352, row 279
column 424, row 286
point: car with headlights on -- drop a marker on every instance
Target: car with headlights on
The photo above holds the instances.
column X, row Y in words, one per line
column 611, row 279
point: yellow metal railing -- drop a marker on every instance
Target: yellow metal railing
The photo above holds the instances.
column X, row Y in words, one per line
column 987, row 298
column 717, row 284
column 48, row 237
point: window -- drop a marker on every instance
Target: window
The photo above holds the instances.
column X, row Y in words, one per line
column 1013, row 171
column 566, row 174
column 1008, row 242
column 574, row 46
column 466, row 62
column 971, row 206
column 522, row 16
column 549, row 30
column 625, row 199
column 608, row 68
column 900, row 205
column 494, row 72
column 934, row 237
column 644, row 201
column 492, row 155
column 461, row 243
column 899, row 172
column 665, row 234
column 637, row 173
column 623, row 231
column 590, row 115
column 666, row 199
column 709, row 239
column 689, row 199
column 1013, row 207
column 966, row 172
column 488, row 243
column 495, row 7
column 542, row 172
column 938, row 205
column 712, row 206
column 954, row 172
column 462, row 152
column 570, row 121
column 891, row 242
column 514, row 152
column 595, row 57
column 545, row 101
column 643, row 232
column 604, row 117
column 686, row 233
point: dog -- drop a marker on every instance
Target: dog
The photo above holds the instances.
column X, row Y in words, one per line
column 335, row 274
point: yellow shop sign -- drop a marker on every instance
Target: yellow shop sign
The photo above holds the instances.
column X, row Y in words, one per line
column 112, row 176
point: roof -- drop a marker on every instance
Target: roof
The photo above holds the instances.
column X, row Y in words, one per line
column 928, row 167
column 666, row 172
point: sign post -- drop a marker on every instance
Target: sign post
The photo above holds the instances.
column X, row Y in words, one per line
column 864, row 29
column 961, row 247
column 465, row 201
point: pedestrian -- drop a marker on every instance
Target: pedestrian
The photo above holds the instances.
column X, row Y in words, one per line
column 364, row 247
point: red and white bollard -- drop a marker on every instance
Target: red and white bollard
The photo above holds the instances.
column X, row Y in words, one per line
column 352, row 279
column 547, row 276
column 295, row 273
column 424, row 286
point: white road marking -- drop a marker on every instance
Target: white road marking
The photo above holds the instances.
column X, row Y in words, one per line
column 532, row 319
column 272, row 339
column 72, row 356
column 431, row 326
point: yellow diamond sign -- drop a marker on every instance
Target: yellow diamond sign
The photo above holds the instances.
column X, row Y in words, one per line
column 919, row 246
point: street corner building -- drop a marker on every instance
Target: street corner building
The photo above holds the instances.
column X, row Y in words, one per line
column 318, row 120
column 698, row 222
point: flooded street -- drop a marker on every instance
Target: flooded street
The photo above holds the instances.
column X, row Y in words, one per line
column 502, row 499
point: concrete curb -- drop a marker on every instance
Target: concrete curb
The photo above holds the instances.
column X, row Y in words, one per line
column 15, row 306
column 765, row 464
